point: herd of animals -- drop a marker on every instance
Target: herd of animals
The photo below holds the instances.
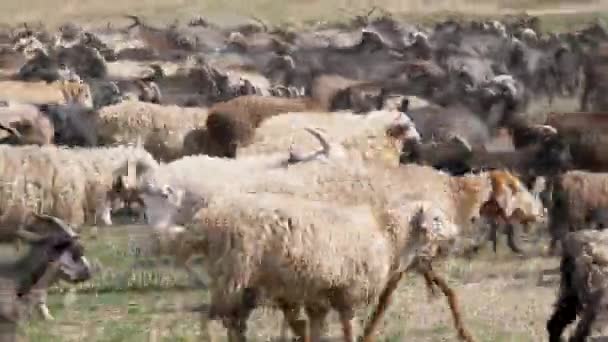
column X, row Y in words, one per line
column 310, row 168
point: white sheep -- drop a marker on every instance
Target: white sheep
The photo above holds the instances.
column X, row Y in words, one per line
column 298, row 252
column 163, row 129
column 71, row 184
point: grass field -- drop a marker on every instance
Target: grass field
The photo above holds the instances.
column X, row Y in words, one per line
column 500, row 295
column 560, row 14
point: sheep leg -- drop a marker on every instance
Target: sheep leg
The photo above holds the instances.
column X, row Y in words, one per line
column 453, row 303
column 316, row 316
column 237, row 327
column 493, row 234
column 583, row 328
column 38, row 295
column 291, row 316
column 346, row 320
column 103, row 212
column 430, row 286
column 511, row 239
column 564, row 314
column 383, row 303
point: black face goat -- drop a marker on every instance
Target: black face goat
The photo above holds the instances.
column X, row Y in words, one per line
column 54, row 253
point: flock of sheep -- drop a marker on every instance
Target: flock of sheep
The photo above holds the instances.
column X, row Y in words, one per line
column 309, row 168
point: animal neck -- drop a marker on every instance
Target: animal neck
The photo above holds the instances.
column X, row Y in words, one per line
column 470, row 193
column 28, row 269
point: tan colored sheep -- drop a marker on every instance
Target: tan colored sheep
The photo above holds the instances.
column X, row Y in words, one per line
column 377, row 136
column 59, row 92
column 26, row 124
column 163, row 129
column 266, row 246
column 350, row 181
column 68, row 183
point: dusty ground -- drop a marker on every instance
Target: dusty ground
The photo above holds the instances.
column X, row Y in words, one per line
column 500, row 294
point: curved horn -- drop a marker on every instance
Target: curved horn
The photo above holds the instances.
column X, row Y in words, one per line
column 12, row 131
column 261, row 22
column 322, row 140
column 60, row 223
column 28, row 236
column 136, row 21
column 326, row 148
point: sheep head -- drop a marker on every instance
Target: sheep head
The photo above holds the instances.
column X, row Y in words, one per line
column 431, row 234
column 511, row 201
column 77, row 92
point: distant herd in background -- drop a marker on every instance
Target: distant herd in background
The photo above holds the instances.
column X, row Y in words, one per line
column 310, row 167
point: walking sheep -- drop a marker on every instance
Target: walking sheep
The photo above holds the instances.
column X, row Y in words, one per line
column 163, row 129
column 71, row 184
column 348, row 181
column 298, row 252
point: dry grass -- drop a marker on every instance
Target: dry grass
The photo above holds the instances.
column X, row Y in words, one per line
column 500, row 297
column 288, row 11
